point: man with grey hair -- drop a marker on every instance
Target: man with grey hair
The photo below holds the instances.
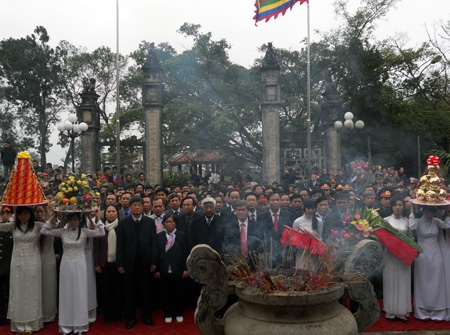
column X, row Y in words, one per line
column 205, row 229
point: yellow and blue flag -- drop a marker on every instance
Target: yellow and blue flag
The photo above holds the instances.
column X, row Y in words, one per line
column 265, row 9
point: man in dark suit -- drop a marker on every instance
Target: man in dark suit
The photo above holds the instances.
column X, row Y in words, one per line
column 242, row 236
column 125, row 211
column 186, row 218
column 233, row 197
column 136, row 245
column 219, row 203
column 296, row 206
column 174, row 205
column 313, row 183
column 206, row 229
column 275, row 217
column 252, row 202
column 272, row 221
column 334, row 220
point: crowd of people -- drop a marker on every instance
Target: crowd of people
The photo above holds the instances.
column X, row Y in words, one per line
column 130, row 254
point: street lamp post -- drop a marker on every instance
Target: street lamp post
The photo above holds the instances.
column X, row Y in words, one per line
column 349, row 124
column 72, row 128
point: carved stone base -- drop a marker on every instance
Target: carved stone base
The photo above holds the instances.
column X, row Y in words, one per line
column 280, row 313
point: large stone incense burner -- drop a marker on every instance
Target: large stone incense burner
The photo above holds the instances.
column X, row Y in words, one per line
column 282, row 313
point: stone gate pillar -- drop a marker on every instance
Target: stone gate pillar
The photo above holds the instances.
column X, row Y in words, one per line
column 270, row 108
column 331, row 112
column 152, row 94
column 89, row 112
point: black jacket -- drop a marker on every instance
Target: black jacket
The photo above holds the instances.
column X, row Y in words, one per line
column 202, row 233
column 8, row 156
column 272, row 237
column 175, row 257
column 232, row 238
column 127, row 252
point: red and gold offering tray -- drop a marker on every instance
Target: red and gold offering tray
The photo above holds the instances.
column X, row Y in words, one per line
column 429, row 191
column 23, row 187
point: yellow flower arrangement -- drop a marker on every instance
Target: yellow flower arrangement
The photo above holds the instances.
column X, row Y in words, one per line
column 75, row 195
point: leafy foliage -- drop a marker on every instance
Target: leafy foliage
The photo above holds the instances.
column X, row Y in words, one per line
column 31, row 83
column 213, row 103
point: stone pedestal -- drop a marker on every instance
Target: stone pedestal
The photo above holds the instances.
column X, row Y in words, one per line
column 152, row 92
column 270, row 109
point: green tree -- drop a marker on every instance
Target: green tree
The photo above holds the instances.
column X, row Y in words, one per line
column 100, row 65
column 29, row 69
column 222, row 99
column 209, row 102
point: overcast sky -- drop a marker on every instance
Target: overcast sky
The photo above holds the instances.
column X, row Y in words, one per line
column 92, row 23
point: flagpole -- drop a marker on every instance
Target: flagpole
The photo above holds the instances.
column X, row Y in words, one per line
column 117, row 94
column 308, row 94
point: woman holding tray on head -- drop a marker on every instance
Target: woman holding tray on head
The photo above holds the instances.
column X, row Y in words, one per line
column 25, row 298
column 397, row 274
column 73, row 292
column 429, row 277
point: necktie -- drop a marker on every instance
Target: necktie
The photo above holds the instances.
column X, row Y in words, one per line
column 137, row 222
column 209, row 222
column 176, row 212
column 244, row 249
column 125, row 214
column 252, row 216
column 275, row 221
column 170, row 241
column 159, row 226
column 188, row 221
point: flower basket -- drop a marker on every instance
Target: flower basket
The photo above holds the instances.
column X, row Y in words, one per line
column 75, row 195
column 398, row 247
column 302, row 240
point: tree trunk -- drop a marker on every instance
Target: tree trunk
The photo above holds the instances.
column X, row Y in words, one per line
column 43, row 132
